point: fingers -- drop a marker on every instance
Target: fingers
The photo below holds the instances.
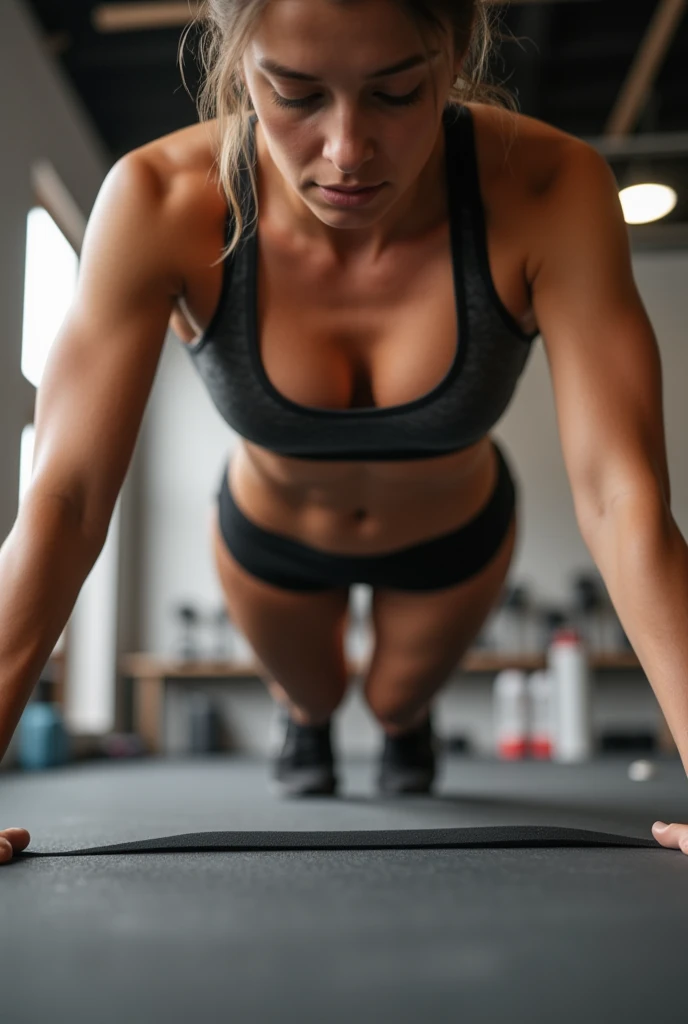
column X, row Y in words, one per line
column 12, row 840
column 674, row 836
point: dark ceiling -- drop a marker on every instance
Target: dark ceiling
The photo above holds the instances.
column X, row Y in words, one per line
column 576, row 64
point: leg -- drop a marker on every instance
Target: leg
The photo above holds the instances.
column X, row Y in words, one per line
column 297, row 636
column 421, row 635
column 420, row 638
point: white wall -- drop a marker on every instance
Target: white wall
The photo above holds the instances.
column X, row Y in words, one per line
column 185, row 444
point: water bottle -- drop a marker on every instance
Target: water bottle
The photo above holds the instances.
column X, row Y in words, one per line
column 539, row 688
column 43, row 739
column 205, row 725
column 588, row 608
column 189, row 619
column 219, row 620
column 510, row 710
column 571, row 698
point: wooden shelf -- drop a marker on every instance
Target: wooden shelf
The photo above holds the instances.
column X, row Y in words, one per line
column 149, row 674
column 144, row 665
column 489, row 661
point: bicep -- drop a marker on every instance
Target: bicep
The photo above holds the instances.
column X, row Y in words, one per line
column 103, row 362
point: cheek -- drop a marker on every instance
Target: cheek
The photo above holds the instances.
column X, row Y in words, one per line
column 291, row 158
column 287, row 152
column 290, row 149
column 411, row 148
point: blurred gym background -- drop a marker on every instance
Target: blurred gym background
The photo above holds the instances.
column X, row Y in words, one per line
column 149, row 664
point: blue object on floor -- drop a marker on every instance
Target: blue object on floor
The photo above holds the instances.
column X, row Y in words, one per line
column 43, row 740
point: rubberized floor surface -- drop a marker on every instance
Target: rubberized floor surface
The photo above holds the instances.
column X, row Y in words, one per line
column 513, row 903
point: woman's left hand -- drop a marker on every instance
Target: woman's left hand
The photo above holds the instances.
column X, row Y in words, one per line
column 674, row 836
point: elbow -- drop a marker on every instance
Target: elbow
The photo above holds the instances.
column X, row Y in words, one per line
column 630, row 514
column 61, row 509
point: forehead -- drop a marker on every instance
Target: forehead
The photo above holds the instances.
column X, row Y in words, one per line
column 308, row 34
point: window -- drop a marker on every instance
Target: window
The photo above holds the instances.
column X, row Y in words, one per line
column 50, row 284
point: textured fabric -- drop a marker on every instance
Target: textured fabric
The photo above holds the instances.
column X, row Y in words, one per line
column 491, row 354
column 440, row 562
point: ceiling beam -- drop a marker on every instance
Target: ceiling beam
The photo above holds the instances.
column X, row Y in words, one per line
column 645, row 68
column 648, row 237
column 644, row 144
column 137, row 17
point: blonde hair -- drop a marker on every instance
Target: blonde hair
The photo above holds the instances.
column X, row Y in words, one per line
column 226, row 30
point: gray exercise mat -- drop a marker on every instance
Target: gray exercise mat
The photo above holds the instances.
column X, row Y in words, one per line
column 518, row 891
column 398, row 839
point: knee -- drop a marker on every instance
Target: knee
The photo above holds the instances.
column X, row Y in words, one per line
column 318, row 708
column 394, row 713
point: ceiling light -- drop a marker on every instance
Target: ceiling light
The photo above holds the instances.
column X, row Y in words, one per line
column 646, row 203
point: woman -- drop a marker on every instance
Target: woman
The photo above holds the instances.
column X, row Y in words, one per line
column 363, row 349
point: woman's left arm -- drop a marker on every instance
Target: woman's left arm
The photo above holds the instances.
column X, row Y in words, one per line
column 607, row 379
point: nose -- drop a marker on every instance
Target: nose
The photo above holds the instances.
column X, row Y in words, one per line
column 348, row 144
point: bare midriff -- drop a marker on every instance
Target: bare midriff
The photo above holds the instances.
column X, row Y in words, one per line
column 365, row 336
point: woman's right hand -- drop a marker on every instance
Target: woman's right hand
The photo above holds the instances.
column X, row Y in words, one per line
column 12, row 840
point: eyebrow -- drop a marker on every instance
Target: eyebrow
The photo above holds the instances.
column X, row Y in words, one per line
column 282, row 72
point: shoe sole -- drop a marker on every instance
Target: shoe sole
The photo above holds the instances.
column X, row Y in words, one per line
column 305, row 784
column 406, row 782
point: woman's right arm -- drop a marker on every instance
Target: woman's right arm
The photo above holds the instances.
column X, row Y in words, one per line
column 89, row 408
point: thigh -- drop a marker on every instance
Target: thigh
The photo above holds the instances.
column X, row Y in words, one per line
column 421, row 637
column 297, row 636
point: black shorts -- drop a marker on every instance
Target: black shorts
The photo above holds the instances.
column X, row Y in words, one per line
column 441, row 562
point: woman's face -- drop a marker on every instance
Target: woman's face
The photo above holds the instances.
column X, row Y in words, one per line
column 345, row 127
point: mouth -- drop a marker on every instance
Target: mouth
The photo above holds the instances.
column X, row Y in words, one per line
column 350, row 188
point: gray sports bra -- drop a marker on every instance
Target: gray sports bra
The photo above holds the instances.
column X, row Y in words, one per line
column 491, row 353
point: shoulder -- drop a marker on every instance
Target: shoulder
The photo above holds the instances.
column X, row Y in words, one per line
column 532, row 153
column 182, row 169
column 536, row 176
column 187, row 151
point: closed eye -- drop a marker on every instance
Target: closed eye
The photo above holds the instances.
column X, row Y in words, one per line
column 395, row 101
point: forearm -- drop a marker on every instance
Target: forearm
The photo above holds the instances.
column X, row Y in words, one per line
column 44, row 563
column 643, row 559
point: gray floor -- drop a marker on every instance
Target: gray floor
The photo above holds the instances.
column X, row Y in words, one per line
column 545, row 934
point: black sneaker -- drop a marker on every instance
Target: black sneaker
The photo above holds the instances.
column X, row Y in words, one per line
column 408, row 761
column 304, row 765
